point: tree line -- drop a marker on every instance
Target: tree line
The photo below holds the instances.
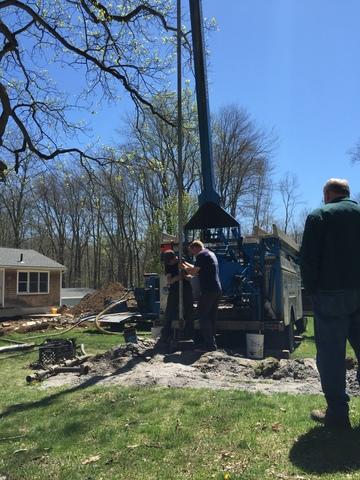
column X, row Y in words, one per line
column 104, row 221
column 101, row 211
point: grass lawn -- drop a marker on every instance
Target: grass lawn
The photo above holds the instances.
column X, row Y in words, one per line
column 307, row 347
column 110, row 433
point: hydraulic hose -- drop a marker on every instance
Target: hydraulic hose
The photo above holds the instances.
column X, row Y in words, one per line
column 99, row 315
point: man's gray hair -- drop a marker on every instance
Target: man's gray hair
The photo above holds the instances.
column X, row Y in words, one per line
column 337, row 185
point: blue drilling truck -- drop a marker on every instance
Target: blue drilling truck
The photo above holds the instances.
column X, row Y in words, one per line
column 260, row 281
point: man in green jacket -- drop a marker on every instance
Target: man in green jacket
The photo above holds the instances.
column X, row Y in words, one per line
column 330, row 269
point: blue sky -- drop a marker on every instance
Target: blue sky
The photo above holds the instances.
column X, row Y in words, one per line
column 294, row 65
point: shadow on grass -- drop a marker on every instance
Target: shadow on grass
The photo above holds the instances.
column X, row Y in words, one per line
column 185, row 357
column 323, row 451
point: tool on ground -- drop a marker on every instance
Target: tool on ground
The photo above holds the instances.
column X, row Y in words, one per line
column 73, row 365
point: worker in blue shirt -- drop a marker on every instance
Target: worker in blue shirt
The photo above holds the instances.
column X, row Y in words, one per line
column 207, row 269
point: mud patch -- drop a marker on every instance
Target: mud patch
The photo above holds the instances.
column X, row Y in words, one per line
column 145, row 364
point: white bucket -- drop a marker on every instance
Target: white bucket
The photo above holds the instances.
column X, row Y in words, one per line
column 156, row 332
column 255, row 345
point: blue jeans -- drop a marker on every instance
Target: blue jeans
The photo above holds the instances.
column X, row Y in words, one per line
column 208, row 304
column 337, row 318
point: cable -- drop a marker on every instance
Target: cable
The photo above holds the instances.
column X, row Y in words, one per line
column 10, row 341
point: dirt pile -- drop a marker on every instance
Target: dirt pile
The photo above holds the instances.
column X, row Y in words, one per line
column 145, row 364
column 297, row 369
column 97, row 301
column 143, row 349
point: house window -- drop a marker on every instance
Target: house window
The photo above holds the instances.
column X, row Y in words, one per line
column 33, row 282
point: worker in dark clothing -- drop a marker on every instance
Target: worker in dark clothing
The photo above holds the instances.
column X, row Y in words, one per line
column 207, row 268
column 330, row 269
column 172, row 272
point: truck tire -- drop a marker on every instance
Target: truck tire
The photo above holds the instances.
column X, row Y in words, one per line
column 289, row 331
column 289, row 335
column 301, row 325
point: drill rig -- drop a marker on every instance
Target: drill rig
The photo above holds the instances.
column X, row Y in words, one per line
column 259, row 274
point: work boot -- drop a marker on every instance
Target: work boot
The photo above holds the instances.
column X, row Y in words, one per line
column 201, row 348
column 331, row 421
column 163, row 340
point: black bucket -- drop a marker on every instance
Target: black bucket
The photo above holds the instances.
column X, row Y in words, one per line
column 130, row 334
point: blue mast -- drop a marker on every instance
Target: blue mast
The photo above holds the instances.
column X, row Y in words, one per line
column 210, row 214
column 208, row 193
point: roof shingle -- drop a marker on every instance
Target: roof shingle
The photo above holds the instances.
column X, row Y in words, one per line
column 10, row 257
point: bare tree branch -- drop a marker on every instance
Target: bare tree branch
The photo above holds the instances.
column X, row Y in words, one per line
column 88, row 41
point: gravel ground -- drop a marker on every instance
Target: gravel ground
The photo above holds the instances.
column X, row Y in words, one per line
column 144, row 364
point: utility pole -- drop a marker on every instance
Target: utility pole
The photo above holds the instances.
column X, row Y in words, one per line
column 180, row 159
